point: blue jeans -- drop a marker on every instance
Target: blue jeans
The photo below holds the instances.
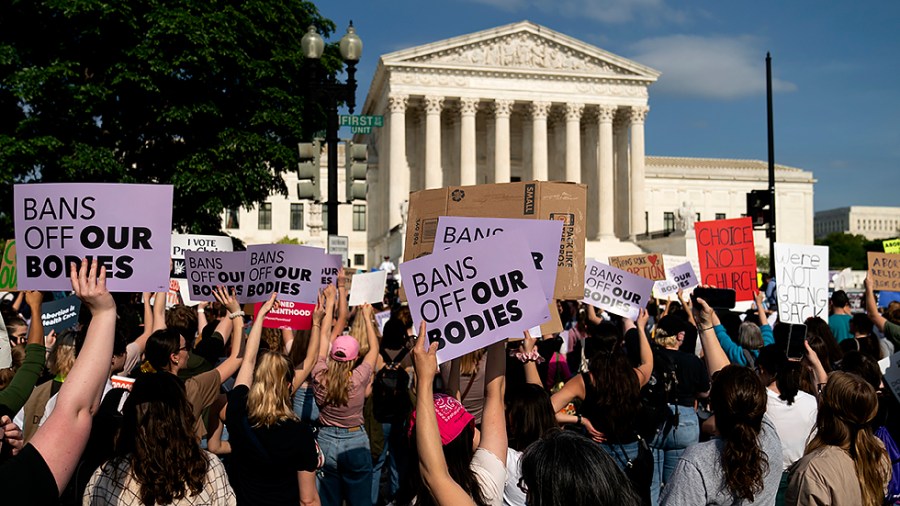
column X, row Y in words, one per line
column 616, row 452
column 347, row 473
column 388, row 456
column 667, row 450
column 305, row 405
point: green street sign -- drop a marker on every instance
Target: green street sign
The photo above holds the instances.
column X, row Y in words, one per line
column 359, row 120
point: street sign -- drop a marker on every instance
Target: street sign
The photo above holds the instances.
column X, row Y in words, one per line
column 361, row 124
column 339, row 245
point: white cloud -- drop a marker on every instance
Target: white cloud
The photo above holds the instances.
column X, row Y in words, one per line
column 717, row 67
column 604, row 11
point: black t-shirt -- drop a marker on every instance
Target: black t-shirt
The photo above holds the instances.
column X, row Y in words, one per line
column 26, row 479
column 265, row 460
column 691, row 374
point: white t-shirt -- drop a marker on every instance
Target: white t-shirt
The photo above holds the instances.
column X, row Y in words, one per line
column 794, row 423
column 491, row 475
column 512, row 494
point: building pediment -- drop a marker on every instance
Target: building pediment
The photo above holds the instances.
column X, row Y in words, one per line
column 520, row 47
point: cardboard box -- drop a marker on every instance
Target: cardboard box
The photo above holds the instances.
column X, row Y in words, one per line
column 539, row 200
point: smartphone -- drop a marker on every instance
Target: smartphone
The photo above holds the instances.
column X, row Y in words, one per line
column 717, row 298
column 796, row 337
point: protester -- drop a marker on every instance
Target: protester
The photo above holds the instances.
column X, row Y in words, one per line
column 59, row 362
column 839, row 319
column 16, row 385
column 751, row 337
column 469, row 379
column 845, row 464
column 890, row 329
column 862, row 338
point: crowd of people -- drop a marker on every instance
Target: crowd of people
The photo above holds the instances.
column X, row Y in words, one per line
column 685, row 405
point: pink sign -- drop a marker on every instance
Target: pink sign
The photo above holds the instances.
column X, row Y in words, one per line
column 289, row 315
column 475, row 295
column 60, row 223
column 615, row 290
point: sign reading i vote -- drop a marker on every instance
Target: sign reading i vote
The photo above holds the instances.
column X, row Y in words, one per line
column 802, row 288
column 61, row 223
column 615, row 290
column 727, row 255
column 475, row 295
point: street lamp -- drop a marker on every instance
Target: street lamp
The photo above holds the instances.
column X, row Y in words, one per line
column 324, row 87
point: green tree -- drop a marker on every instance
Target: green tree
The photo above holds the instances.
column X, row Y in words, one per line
column 848, row 250
column 203, row 94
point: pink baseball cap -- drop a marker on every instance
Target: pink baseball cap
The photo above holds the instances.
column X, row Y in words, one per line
column 452, row 417
column 344, row 348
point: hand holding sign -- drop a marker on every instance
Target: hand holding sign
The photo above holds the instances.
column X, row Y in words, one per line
column 425, row 360
column 91, row 287
column 229, row 300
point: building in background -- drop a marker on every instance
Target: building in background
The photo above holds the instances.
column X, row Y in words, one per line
column 870, row 221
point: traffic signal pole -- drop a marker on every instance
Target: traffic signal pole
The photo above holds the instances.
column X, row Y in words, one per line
column 771, row 165
column 331, row 139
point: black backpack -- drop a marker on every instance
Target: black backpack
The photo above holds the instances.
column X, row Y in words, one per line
column 390, row 390
column 655, row 415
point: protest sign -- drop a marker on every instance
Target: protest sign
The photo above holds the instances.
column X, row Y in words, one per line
column 209, row 269
column 61, row 223
column 727, row 255
column 892, row 375
column 475, row 295
column 884, row 271
column 542, row 237
column 802, row 288
column 8, row 267
column 381, row 319
column 615, row 290
column 331, row 267
column 288, row 269
column 121, row 382
column 5, row 347
column 647, row 265
column 891, row 246
column 368, row 287
column 664, row 288
column 59, row 315
column 288, row 315
column 191, row 242
column 683, row 275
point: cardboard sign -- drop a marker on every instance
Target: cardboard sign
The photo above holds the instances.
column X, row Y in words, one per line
column 802, row 288
column 615, row 290
column 59, row 315
column 368, row 287
column 288, row 315
column 473, row 296
column 884, row 271
column 542, row 236
column 648, row 265
column 381, row 320
column 684, row 276
column 891, row 246
column 8, row 267
column 191, row 242
column 61, row 223
column 727, row 255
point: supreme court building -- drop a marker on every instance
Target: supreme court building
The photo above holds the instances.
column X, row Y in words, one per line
column 522, row 102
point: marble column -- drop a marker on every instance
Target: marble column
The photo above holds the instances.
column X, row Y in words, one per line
column 434, row 175
column 623, row 196
column 539, row 112
column 573, row 142
column 638, row 206
column 502, row 155
column 467, row 109
column 590, row 170
column 398, row 168
column 606, row 179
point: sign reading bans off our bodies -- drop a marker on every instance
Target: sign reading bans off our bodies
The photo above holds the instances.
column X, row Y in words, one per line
column 295, row 272
column 802, row 287
column 727, row 255
column 475, row 295
column 615, row 290
column 61, row 223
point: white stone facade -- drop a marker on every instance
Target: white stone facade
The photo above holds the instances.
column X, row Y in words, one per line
column 870, row 221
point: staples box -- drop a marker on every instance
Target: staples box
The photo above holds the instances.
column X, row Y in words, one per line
column 539, row 200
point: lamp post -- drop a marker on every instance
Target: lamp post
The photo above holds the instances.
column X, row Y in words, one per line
column 325, row 88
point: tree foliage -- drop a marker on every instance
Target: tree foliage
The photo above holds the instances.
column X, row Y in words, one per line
column 207, row 95
column 849, row 250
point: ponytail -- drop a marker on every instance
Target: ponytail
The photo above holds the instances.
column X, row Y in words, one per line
column 868, row 454
column 788, row 381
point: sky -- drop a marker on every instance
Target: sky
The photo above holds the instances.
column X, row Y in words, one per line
column 836, row 67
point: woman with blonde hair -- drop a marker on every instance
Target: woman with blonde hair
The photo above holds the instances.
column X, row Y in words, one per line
column 844, row 463
column 340, row 388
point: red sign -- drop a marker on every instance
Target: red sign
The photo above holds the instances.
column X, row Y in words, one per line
column 289, row 315
column 727, row 255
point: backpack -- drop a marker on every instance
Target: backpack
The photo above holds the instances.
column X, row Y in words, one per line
column 390, row 390
column 893, row 495
column 655, row 416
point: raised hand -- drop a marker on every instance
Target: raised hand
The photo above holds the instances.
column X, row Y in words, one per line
column 229, row 300
column 268, row 305
column 425, row 360
column 91, row 287
column 34, row 298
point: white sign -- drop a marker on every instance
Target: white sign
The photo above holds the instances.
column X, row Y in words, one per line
column 339, row 245
column 615, row 290
column 802, row 287
column 665, row 288
column 381, row 320
column 368, row 287
column 683, row 275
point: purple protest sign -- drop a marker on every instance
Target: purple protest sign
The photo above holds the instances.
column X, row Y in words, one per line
column 331, row 267
column 615, row 290
column 683, row 275
column 542, row 236
column 292, row 271
column 475, row 295
column 60, row 223
column 209, row 269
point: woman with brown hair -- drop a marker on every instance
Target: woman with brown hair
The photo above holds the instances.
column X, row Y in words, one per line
column 742, row 465
column 845, row 464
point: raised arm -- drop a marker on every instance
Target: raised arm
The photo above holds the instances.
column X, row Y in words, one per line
column 325, row 336
column 713, row 353
column 371, row 335
column 872, row 307
column 301, row 371
column 530, row 355
column 201, row 315
column 245, row 374
column 493, row 421
column 159, row 311
column 342, row 304
column 62, row 439
column 646, row 366
column 432, row 464
column 230, row 365
column 686, row 304
column 16, row 394
column 593, row 315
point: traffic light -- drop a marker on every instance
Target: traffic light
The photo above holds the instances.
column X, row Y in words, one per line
column 308, row 171
column 355, row 171
column 758, row 207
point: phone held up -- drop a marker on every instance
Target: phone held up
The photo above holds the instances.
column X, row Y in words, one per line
column 717, row 298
